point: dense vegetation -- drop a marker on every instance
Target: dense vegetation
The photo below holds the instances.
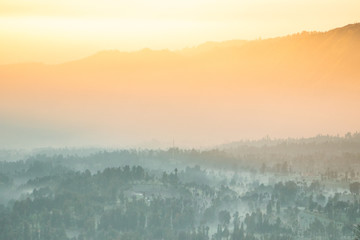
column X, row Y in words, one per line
column 177, row 194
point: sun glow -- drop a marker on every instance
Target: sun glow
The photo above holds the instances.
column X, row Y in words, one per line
column 293, row 86
column 80, row 28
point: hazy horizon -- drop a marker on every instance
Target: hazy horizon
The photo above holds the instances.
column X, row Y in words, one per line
column 186, row 48
column 65, row 90
column 297, row 86
column 167, row 47
column 179, row 120
column 60, row 31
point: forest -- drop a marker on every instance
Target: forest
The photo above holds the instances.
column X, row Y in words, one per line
column 246, row 190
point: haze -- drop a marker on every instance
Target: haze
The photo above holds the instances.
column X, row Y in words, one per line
column 296, row 86
column 199, row 93
column 59, row 31
column 179, row 120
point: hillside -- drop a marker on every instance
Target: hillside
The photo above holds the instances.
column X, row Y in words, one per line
column 305, row 83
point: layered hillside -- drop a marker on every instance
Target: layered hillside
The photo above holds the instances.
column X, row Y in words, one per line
column 307, row 83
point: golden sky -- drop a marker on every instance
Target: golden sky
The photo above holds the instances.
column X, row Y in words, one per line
column 297, row 86
column 57, row 31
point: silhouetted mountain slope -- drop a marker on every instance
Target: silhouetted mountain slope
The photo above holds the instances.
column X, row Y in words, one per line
column 309, row 80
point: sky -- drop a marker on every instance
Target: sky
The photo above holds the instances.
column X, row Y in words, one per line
column 58, row 31
column 296, row 89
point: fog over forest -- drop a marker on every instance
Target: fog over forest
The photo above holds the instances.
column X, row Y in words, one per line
column 165, row 144
column 267, row 189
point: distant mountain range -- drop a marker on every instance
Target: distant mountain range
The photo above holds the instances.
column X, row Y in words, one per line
column 320, row 54
column 306, row 83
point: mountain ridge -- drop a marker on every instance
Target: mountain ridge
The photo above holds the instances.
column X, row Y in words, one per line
column 353, row 29
column 296, row 85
